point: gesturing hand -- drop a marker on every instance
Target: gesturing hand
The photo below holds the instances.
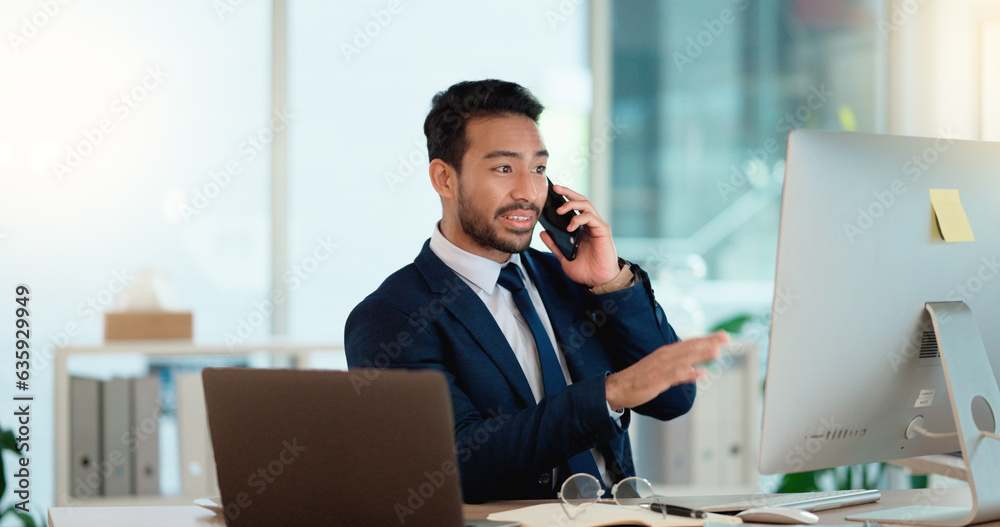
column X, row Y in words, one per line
column 596, row 261
column 662, row 369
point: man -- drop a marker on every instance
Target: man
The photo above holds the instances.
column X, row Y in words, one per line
column 544, row 356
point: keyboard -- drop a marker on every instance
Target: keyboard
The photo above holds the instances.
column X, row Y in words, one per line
column 808, row 501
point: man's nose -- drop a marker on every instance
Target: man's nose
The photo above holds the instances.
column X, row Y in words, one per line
column 525, row 188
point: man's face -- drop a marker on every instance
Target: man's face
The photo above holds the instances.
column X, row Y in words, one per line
column 502, row 185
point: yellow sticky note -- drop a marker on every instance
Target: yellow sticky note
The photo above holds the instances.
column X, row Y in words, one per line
column 951, row 218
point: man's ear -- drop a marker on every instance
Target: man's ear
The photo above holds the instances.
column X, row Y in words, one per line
column 443, row 178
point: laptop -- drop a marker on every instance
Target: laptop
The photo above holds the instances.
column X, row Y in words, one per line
column 319, row 447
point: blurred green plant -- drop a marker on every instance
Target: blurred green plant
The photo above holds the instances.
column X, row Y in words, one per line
column 7, row 442
column 855, row 476
column 735, row 324
column 844, row 478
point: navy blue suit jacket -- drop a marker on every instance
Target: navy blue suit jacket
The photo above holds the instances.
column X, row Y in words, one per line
column 425, row 316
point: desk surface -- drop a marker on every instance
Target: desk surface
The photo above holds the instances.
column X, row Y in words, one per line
column 192, row 515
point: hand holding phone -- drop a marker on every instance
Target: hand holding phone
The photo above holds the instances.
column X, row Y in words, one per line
column 556, row 224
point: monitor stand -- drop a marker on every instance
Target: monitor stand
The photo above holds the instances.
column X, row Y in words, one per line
column 974, row 397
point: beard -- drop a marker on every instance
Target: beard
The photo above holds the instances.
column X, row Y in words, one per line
column 486, row 233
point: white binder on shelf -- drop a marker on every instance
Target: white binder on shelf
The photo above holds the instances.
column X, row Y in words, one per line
column 85, row 437
column 145, row 432
column 116, row 452
column 198, row 477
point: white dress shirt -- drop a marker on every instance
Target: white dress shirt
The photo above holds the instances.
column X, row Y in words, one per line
column 481, row 275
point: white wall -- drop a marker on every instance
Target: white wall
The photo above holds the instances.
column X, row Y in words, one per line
column 935, row 66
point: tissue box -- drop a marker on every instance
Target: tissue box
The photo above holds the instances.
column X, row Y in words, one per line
column 136, row 325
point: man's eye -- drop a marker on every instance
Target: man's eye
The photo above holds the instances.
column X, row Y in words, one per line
column 540, row 169
column 504, row 169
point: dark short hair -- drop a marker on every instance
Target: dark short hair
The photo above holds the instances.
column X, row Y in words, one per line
column 452, row 109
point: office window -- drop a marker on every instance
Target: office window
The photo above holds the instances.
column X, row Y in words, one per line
column 129, row 128
column 704, row 95
column 360, row 82
column 117, row 122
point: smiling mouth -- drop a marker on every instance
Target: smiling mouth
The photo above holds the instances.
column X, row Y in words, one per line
column 520, row 224
column 519, row 218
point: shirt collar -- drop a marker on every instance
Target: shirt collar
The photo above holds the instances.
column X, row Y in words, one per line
column 481, row 271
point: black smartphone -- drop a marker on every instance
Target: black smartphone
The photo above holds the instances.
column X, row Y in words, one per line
column 556, row 224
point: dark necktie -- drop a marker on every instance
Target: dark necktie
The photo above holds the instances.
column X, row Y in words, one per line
column 552, row 375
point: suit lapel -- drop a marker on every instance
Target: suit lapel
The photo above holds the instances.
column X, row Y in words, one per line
column 463, row 303
column 560, row 317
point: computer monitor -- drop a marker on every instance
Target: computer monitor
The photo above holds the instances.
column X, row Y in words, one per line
column 880, row 328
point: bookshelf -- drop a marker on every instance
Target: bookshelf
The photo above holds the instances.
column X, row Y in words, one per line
column 129, row 357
